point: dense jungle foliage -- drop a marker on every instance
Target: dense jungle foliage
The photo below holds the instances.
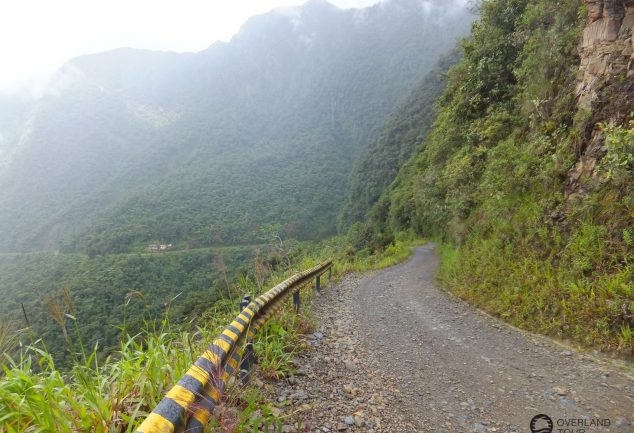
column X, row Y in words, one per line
column 112, row 295
column 492, row 181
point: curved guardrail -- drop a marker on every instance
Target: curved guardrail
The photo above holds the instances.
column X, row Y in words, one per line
column 189, row 404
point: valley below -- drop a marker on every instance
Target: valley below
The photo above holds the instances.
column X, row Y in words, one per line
column 144, row 194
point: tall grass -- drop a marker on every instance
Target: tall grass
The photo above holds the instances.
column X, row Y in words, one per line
column 112, row 396
column 115, row 395
column 582, row 291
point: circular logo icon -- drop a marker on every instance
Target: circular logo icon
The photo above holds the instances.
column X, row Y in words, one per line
column 541, row 424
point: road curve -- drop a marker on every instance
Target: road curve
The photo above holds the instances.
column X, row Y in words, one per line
column 454, row 364
column 394, row 353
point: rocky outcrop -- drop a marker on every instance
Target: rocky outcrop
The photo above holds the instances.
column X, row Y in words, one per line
column 606, row 48
column 605, row 86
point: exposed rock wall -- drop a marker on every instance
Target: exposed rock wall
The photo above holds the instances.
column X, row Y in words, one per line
column 606, row 48
column 605, row 86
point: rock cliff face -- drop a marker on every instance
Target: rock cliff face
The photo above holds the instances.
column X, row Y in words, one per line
column 606, row 48
column 605, row 86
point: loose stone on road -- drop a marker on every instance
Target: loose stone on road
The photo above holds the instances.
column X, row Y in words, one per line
column 394, row 353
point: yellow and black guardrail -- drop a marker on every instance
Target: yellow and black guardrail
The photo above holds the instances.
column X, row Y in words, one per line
column 188, row 406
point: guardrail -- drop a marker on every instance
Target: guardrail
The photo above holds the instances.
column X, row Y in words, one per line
column 190, row 403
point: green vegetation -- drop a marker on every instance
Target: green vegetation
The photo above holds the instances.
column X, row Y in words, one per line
column 523, row 232
column 115, row 394
column 492, row 180
column 406, row 129
column 76, row 305
column 114, row 295
column 138, row 147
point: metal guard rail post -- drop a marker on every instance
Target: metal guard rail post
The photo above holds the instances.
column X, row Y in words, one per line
column 188, row 405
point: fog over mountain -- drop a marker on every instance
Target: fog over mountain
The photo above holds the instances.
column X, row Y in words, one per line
column 129, row 146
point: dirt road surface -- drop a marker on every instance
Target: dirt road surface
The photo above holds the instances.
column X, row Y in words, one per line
column 394, row 353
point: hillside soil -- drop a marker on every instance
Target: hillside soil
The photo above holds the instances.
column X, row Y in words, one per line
column 394, row 353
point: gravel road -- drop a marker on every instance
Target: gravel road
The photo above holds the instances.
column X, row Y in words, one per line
column 394, row 353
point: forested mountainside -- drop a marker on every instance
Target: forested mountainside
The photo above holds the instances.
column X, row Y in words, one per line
column 518, row 161
column 110, row 296
column 406, row 128
column 528, row 172
column 131, row 147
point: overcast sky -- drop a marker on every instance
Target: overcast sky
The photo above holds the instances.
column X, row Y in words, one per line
column 38, row 36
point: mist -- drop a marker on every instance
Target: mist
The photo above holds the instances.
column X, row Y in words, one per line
column 36, row 45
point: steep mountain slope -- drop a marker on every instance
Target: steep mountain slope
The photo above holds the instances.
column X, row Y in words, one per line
column 528, row 171
column 132, row 146
column 406, row 128
column 13, row 123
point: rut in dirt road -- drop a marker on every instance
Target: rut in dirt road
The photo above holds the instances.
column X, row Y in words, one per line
column 395, row 353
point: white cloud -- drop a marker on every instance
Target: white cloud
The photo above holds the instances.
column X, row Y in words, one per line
column 38, row 36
